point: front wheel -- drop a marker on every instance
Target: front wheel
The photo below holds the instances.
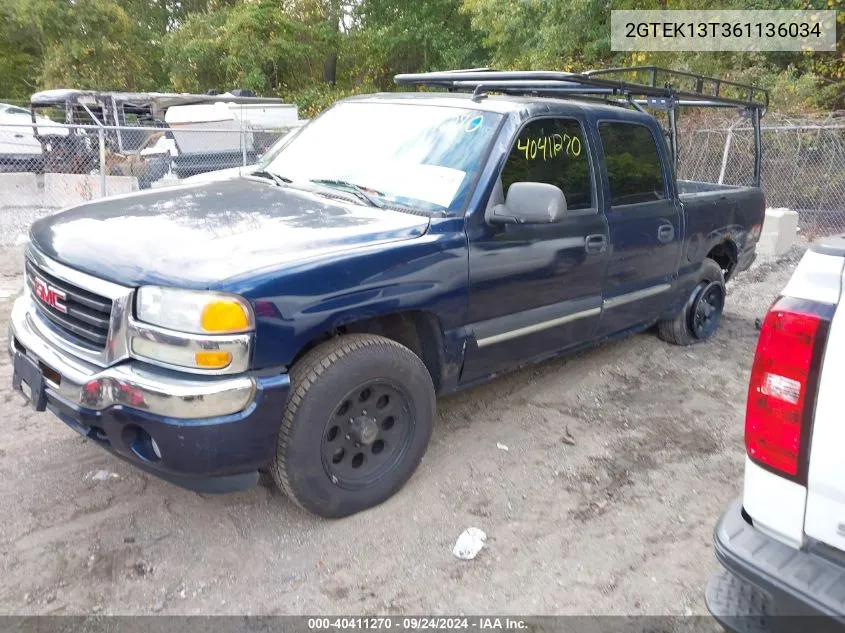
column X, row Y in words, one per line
column 356, row 425
column 701, row 314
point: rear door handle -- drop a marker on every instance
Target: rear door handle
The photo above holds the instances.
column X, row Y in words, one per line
column 595, row 243
column 666, row 233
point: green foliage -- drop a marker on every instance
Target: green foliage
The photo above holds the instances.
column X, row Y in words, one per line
column 314, row 51
column 254, row 45
column 316, row 98
column 19, row 52
column 71, row 43
column 100, row 57
column 510, row 28
column 195, row 53
column 575, row 35
column 403, row 37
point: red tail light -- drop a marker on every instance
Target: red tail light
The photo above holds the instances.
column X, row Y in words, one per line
column 784, row 379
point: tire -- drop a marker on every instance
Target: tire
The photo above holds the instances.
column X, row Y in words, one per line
column 331, row 422
column 682, row 330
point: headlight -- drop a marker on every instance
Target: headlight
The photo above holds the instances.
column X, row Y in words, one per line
column 193, row 311
column 203, row 332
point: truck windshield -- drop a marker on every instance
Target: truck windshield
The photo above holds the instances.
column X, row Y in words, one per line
column 419, row 156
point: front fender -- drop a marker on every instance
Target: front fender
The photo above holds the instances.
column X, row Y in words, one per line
column 300, row 304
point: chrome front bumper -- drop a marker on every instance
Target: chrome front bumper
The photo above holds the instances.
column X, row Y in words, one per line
column 130, row 383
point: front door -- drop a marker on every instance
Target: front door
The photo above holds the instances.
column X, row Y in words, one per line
column 645, row 226
column 537, row 288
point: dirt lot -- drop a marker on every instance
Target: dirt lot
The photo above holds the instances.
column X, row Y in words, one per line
column 618, row 523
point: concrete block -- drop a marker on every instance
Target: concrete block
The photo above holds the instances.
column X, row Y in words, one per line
column 19, row 190
column 63, row 190
column 779, row 230
column 120, row 184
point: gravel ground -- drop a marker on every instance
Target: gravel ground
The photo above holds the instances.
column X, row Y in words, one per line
column 619, row 461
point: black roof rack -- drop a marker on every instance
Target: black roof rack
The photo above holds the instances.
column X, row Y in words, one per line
column 678, row 87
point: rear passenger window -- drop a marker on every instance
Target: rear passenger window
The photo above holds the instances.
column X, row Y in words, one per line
column 552, row 151
column 632, row 162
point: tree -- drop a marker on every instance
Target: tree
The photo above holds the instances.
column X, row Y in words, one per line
column 575, row 35
column 194, row 52
column 72, row 43
column 399, row 37
column 20, row 52
column 254, row 45
column 92, row 43
column 315, row 51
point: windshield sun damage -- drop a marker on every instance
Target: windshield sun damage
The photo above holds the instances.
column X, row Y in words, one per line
column 419, row 156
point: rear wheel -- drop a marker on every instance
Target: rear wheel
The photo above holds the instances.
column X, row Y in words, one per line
column 356, row 426
column 701, row 314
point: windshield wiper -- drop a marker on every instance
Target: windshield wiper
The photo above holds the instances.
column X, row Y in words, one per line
column 276, row 178
column 357, row 190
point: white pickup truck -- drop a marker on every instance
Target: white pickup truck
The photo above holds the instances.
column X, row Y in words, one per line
column 783, row 544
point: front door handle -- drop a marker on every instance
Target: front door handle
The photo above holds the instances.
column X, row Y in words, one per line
column 595, row 243
column 666, row 233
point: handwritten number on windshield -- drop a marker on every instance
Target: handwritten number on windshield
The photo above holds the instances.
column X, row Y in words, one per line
column 548, row 147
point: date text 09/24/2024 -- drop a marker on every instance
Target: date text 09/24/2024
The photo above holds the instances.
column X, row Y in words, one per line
column 416, row 623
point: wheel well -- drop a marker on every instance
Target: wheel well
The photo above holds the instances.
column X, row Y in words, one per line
column 417, row 330
column 725, row 255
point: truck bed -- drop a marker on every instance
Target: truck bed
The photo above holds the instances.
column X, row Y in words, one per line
column 710, row 209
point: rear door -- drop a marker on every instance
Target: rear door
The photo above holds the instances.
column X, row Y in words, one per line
column 536, row 288
column 645, row 224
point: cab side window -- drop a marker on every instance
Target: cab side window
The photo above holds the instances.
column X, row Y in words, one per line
column 552, row 151
column 632, row 162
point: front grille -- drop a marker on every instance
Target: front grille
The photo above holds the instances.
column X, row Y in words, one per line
column 88, row 314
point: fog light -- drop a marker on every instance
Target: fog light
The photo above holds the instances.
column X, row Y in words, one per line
column 141, row 443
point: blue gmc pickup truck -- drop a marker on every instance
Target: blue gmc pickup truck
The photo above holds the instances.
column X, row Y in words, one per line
column 301, row 318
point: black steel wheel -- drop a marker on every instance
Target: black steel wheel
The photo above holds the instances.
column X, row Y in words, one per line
column 356, row 424
column 707, row 309
column 368, row 434
column 698, row 318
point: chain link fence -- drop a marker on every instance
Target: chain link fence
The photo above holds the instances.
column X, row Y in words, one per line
column 49, row 166
column 803, row 162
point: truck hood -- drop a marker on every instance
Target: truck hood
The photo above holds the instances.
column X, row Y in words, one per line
column 199, row 235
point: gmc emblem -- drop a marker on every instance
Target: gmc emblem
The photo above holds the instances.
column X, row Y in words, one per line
column 53, row 297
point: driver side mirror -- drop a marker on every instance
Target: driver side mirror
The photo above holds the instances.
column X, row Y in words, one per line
column 529, row 203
